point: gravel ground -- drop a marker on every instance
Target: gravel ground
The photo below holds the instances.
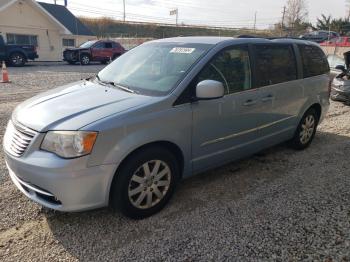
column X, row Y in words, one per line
column 279, row 205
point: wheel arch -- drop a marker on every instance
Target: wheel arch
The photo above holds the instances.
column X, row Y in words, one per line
column 172, row 147
column 317, row 108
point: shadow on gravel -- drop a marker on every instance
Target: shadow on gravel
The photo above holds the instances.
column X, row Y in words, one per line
column 102, row 234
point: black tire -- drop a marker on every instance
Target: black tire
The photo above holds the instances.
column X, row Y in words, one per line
column 104, row 62
column 71, row 62
column 17, row 59
column 123, row 184
column 84, row 59
column 115, row 56
column 300, row 141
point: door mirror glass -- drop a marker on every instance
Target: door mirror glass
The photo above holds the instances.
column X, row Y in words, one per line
column 209, row 89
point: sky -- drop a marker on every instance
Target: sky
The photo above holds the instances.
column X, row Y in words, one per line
column 230, row 13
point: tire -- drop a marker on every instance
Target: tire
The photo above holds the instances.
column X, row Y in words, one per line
column 104, row 62
column 131, row 188
column 115, row 56
column 306, row 130
column 84, row 59
column 71, row 62
column 17, row 59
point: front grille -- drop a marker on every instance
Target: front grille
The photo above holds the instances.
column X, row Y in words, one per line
column 17, row 139
column 69, row 55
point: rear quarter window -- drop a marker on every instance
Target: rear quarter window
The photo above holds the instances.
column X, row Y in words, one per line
column 314, row 61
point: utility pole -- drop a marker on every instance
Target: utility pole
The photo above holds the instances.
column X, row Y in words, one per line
column 124, row 11
column 177, row 16
column 175, row 12
column 284, row 15
column 255, row 22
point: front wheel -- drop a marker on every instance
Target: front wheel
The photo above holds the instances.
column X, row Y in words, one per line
column 306, row 130
column 85, row 59
column 145, row 182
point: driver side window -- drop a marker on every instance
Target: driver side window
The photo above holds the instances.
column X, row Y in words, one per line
column 231, row 67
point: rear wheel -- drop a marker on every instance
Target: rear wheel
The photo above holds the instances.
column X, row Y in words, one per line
column 17, row 59
column 145, row 182
column 306, row 130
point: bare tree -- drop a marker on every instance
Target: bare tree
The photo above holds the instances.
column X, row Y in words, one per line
column 296, row 13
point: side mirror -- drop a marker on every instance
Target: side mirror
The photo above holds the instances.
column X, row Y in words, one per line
column 341, row 68
column 209, row 89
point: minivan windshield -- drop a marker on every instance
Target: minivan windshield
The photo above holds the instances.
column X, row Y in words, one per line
column 153, row 68
column 88, row 44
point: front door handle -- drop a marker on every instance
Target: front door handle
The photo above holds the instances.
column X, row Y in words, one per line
column 267, row 98
column 250, row 102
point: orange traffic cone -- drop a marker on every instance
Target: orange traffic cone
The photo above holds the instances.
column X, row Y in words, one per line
column 5, row 74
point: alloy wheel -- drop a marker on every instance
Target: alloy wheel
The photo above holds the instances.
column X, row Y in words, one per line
column 307, row 129
column 85, row 60
column 17, row 59
column 149, row 184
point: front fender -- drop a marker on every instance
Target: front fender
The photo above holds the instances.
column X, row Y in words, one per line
column 172, row 125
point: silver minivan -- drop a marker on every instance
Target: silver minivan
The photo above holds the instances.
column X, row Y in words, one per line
column 162, row 112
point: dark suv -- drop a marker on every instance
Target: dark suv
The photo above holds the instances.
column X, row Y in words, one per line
column 16, row 55
column 320, row 36
column 96, row 50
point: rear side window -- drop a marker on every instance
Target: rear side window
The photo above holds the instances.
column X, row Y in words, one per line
column 314, row 61
column 108, row 45
column 275, row 64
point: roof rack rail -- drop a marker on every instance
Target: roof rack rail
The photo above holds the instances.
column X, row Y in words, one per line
column 247, row 36
column 270, row 38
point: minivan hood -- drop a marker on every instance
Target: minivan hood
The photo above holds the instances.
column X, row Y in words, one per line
column 75, row 105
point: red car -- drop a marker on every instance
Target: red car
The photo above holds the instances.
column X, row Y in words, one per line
column 340, row 41
column 96, row 50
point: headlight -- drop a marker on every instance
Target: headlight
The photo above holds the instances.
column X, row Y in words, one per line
column 69, row 144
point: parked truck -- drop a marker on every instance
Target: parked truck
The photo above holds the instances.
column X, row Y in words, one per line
column 16, row 55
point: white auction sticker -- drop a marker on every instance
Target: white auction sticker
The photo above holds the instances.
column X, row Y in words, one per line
column 182, row 50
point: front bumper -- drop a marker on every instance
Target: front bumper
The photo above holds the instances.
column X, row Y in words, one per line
column 70, row 56
column 61, row 184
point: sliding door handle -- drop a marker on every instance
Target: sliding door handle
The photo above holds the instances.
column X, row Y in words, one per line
column 267, row 98
column 250, row 102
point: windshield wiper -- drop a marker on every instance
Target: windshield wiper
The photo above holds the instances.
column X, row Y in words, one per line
column 124, row 88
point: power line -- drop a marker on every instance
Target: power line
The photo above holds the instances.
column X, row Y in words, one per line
column 268, row 21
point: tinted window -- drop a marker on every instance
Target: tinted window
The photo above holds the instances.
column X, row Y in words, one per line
column 108, row 45
column 232, row 68
column 99, row 45
column 314, row 61
column 275, row 64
